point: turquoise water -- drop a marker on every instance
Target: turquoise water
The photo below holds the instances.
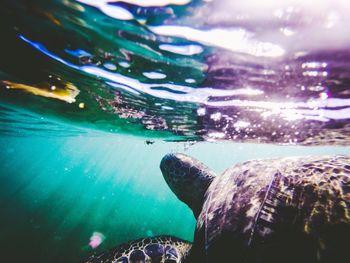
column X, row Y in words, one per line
column 94, row 93
column 56, row 191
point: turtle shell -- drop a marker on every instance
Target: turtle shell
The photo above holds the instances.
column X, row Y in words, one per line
column 167, row 249
column 261, row 211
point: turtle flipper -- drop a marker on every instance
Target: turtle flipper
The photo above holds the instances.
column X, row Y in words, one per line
column 188, row 178
column 166, row 249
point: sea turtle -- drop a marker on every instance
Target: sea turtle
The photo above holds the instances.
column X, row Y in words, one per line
column 167, row 249
column 294, row 209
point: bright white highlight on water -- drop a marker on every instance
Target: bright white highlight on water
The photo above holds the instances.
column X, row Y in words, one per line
column 124, row 64
column 234, row 39
column 317, row 109
column 216, row 116
column 78, row 53
column 146, row 3
column 110, row 66
column 314, row 73
column 186, row 50
column 216, row 135
column 324, row 96
column 314, row 65
column 167, row 108
column 287, row 32
column 113, row 11
column 154, row 75
column 241, row 124
column 201, row 111
column 190, row 80
column 116, row 12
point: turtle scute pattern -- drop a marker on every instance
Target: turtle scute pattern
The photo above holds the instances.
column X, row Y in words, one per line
column 162, row 249
column 276, row 207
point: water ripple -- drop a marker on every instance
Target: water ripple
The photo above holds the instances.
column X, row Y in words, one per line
column 184, row 69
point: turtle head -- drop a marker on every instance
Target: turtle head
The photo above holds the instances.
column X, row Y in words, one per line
column 188, row 178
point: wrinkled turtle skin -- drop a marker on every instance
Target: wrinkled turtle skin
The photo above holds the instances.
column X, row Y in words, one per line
column 165, row 249
column 287, row 210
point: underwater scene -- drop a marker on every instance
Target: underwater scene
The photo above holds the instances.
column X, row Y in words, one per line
column 174, row 131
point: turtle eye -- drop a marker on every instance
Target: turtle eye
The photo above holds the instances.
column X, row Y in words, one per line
column 154, row 251
column 171, row 254
column 137, row 256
